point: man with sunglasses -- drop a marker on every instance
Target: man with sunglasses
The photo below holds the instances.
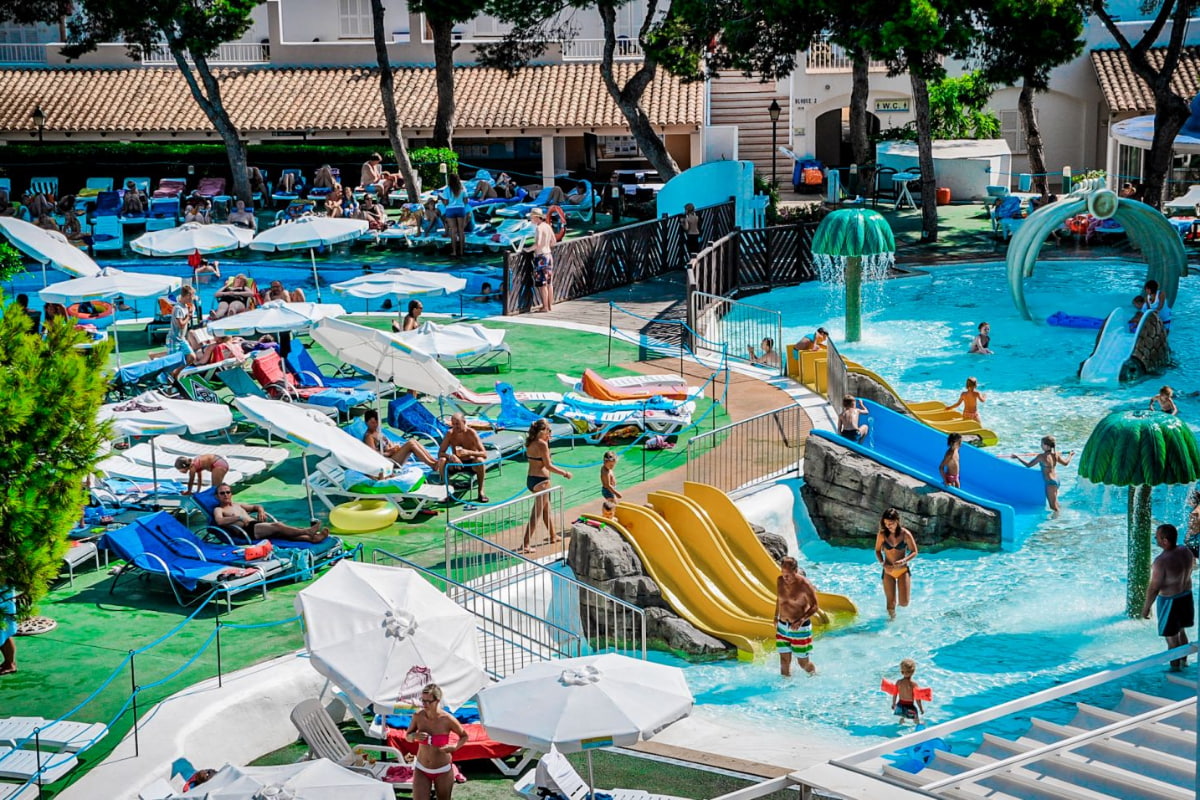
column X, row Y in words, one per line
column 254, row 520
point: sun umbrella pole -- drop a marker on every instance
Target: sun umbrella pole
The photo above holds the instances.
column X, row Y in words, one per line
column 307, row 485
column 154, row 467
column 117, row 337
column 312, row 254
column 591, row 778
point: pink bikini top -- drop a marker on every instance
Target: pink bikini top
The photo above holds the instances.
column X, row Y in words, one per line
column 439, row 739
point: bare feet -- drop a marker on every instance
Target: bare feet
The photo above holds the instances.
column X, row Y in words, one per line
column 555, row 539
column 8, row 669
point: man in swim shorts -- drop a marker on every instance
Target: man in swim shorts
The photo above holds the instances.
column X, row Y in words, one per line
column 254, row 521
column 795, row 606
column 1170, row 590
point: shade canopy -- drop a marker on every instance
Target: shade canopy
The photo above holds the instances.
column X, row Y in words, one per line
column 309, row 232
column 581, row 703
column 313, row 432
column 385, row 356
column 307, row 780
column 48, row 247
column 190, row 237
column 382, row 633
column 151, row 413
column 276, row 316
column 851, row 232
column 400, row 283
column 110, row 283
column 1140, row 448
column 453, row 341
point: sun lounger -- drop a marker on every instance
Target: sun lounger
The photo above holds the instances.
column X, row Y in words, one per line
column 25, row 765
column 631, row 387
column 105, row 222
column 311, row 374
column 602, row 418
column 523, row 209
column 515, row 416
column 167, row 477
column 568, row 782
column 332, row 484
column 78, row 554
column 178, row 446
column 170, row 187
column 91, row 188
column 63, row 734
column 13, row 791
column 243, row 385
column 162, row 213
column 267, row 369
column 133, row 379
column 142, row 453
column 409, row 415
column 324, row 740
column 285, row 195
column 43, row 186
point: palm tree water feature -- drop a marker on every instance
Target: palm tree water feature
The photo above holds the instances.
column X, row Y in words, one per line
column 1140, row 449
column 849, row 246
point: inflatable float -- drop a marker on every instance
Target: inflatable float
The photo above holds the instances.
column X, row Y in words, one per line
column 1065, row 320
column 93, row 312
column 363, row 516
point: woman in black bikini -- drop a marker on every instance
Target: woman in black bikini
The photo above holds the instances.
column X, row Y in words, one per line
column 537, row 452
column 895, row 548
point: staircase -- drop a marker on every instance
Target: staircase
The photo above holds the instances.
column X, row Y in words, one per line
column 1144, row 748
column 741, row 101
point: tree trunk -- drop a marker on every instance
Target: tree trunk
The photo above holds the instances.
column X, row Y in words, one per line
column 1170, row 114
column 1033, row 139
column 860, row 133
column 443, row 64
column 208, row 97
column 629, row 97
column 387, row 94
column 1139, row 524
column 929, row 215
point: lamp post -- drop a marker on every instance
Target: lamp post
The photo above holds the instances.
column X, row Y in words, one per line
column 774, row 110
column 39, row 119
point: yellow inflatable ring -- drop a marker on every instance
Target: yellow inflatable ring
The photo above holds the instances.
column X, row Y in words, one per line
column 363, row 516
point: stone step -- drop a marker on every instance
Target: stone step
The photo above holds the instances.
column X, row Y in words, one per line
column 1128, row 756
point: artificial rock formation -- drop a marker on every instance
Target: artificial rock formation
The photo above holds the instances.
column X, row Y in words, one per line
column 846, row 493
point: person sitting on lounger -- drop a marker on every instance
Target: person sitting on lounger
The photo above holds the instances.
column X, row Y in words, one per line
column 254, row 520
column 196, row 467
column 258, row 181
column 233, row 298
column 396, row 451
column 462, row 449
column 373, row 177
column 483, row 191
column 243, row 217
column 133, row 202
column 323, row 179
column 373, row 213
column 560, row 198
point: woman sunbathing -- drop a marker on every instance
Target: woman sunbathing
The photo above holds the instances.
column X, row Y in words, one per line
column 234, row 297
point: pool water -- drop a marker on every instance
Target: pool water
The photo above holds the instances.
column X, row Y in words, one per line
column 984, row 627
column 295, row 271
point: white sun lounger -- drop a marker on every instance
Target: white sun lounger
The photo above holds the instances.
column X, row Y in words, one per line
column 62, row 735
column 22, row 765
column 141, row 454
column 121, row 467
column 327, row 482
column 11, row 791
column 1186, row 202
column 569, row 782
column 178, row 446
column 634, row 382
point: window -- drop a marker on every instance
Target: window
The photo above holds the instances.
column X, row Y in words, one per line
column 489, row 27
column 354, row 19
column 1013, row 131
column 1129, row 163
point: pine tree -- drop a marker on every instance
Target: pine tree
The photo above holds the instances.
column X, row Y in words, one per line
column 49, row 440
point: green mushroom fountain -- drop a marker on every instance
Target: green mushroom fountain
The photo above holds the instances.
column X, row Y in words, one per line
column 849, row 246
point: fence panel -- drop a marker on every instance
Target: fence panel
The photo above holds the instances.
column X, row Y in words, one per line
column 613, row 258
column 756, row 450
column 722, row 325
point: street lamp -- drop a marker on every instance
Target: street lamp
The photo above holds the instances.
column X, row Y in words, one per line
column 39, row 119
column 774, row 110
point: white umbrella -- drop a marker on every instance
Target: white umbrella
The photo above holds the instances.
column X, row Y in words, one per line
column 310, row 233
column 152, row 414
column 382, row 633
column 190, row 237
column 48, row 247
column 107, row 284
column 453, row 341
column 385, row 356
column 276, row 316
column 307, row 780
column 584, row 703
column 400, row 283
column 315, row 434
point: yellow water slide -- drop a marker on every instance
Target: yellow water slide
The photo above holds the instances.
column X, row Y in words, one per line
column 810, row 368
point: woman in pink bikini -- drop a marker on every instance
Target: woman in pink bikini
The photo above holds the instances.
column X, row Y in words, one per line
column 431, row 728
column 196, row 467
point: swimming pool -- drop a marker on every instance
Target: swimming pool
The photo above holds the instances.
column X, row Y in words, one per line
column 295, row 270
column 984, row 627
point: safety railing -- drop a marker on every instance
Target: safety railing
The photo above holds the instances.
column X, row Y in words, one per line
column 509, row 637
column 482, row 552
column 754, row 260
column 627, row 49
column 756, row 450
column 226, row 53
column 741, row 329
column 19, row 53
column 823, row 56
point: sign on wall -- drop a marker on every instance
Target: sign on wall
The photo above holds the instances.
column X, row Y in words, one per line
column 892, row 105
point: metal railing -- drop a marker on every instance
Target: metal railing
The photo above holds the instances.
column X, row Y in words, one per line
column 227, row 53
column 481, row 552
column 509, row 637
column 824, row 56
column 731, row 327
column 757, row 450
column 593, row 49
column 22, row 53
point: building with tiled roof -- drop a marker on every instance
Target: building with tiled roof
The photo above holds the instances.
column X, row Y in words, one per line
column 1125, row 93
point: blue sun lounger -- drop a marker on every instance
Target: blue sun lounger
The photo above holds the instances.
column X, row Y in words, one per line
column 521, row 209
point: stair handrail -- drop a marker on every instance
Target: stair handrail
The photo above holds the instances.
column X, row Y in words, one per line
column 1063, row 744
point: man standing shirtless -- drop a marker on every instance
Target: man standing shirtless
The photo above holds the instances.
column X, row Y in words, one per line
column 253, row 519
column 463, row 446
column 1171, row 590
column 794, row 609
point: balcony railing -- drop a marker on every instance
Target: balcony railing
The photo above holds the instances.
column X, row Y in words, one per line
column 228, row 53
column 593, row 49
column 22, row 53
column 824, row 57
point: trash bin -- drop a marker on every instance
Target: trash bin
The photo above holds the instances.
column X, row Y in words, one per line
column 943, row 196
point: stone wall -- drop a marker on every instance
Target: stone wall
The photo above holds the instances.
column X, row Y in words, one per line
column 846, row 493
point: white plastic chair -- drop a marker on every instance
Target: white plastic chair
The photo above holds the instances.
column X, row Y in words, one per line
column 324, row 740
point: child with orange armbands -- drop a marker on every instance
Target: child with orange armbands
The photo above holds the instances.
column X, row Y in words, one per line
column 907, row 696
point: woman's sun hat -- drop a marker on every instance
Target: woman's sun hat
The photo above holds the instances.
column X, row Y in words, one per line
column 537, row 212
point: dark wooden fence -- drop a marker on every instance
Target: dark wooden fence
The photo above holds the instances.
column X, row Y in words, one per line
column 745, row 262
column 609, row 259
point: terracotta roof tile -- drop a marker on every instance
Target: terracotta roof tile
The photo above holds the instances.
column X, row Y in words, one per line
column 1125, row 92
column 263, row 99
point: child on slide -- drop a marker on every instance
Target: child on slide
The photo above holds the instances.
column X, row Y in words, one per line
column 949, row 466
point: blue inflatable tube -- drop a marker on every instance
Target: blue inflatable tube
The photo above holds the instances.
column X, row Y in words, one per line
column 1064, row 320
column 905, row 445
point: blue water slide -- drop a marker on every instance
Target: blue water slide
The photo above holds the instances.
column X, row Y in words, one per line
column 905, row 445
